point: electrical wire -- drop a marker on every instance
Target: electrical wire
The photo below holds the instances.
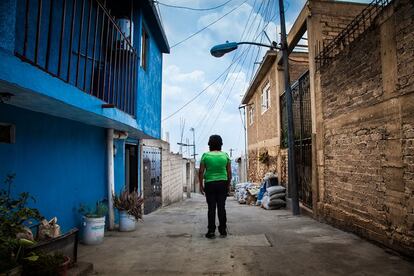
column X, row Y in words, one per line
column 206, row 27
column 192, row 9
column 235, row 79
column 211, row 104
column 201, row 92
column 245, row 51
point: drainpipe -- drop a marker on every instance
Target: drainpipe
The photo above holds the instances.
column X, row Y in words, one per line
column 111, row 178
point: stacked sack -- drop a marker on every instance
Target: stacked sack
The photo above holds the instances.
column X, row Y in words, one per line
column 274, row 198
column 246, row 193
column 240, row 192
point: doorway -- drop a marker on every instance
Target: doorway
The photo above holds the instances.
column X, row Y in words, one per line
column 131, row 167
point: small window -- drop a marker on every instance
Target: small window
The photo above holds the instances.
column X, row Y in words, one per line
column 7, row 133
column 144, row 49
column 266, row 98
column 251, row 115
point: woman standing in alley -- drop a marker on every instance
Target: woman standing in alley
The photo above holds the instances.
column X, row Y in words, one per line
column 214, row 177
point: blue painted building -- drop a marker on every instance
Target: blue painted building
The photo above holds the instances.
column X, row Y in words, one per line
column 80, row 85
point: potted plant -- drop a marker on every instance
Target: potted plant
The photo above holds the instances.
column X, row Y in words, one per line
column 46, row 264
column 93, row 223
column 15, row 215
column 129, row 207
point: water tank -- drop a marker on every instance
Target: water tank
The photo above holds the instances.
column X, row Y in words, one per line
column 127, row 28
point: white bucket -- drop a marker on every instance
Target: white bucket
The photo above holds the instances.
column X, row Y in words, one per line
column 126, row 222
column 93, row 230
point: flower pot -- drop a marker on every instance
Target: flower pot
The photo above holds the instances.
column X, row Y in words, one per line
column 126, row 222
column 93, row 230
column 63, row 268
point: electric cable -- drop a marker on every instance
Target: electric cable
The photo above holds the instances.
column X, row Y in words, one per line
column 208, row 25
column 211, row 105
column 228, row 95
column 196, row 96
column 192, row 9
column 243, row 52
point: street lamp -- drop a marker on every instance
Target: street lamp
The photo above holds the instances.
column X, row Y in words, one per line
column 222, row 49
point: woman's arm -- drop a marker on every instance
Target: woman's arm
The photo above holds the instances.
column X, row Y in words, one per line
column 201, row 177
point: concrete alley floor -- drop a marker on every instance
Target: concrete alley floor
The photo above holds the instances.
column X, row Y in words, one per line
column 260, row 242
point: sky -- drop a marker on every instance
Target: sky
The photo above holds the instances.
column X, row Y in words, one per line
column 220, row 83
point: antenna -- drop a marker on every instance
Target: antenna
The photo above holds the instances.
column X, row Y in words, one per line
column 182, row 126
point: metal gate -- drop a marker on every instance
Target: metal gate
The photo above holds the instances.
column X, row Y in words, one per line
column 302, row 124
column 152, row 178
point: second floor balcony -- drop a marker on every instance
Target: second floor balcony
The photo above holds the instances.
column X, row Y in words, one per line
column 81, row 43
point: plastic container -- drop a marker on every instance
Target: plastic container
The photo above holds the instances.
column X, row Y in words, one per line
column 93, row 230
column 126, row 222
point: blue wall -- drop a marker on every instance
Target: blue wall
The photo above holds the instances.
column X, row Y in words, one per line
column 7, row 23
column 149, row 83
column 119, row 165
column 13, row 70
column 62, row 163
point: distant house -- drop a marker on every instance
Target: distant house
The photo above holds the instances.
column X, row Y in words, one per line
column 80, row 87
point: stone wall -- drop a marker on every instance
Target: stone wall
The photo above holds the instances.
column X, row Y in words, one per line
column 368, row 133
column 258, row 168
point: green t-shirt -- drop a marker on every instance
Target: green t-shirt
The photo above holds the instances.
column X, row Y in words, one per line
column 215, row 163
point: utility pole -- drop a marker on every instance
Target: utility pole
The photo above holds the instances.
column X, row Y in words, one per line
column 194, row 146
column 291, row 150
column 245, row 140
column 231, row 152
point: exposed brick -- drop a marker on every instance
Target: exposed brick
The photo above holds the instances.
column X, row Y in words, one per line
column 368, row 137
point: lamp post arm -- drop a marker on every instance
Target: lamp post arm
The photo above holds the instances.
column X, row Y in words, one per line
column 272, row 46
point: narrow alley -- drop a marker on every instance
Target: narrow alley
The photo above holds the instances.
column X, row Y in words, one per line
column 171, row 242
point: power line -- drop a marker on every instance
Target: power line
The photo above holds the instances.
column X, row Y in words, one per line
column 211, row 107
column 213, row 101
column 212, row 23
column 192, row 9
column 201, row 92
column 266, row 14
column 224, row 72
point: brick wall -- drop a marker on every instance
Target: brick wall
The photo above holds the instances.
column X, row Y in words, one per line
column 172, row 178
column 368, row 133
column 173, row 172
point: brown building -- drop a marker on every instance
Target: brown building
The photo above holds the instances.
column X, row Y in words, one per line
column 265, row 152
column 354, row 118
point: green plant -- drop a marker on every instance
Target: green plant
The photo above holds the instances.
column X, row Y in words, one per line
column 43, row 264
column 100, row 210
column 129, row 202
column 14, row 215
column 264, row 157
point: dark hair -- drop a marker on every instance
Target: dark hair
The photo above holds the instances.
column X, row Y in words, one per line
column 215, row 142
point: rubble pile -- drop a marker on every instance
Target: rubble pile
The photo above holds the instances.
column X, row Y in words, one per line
column 268, row 195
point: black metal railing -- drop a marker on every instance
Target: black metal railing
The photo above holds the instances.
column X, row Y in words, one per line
column 364, row 20
column 80, row 42
column 302, row 131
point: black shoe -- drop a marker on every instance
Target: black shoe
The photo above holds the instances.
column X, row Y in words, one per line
column 210, row 235
column 223, row 234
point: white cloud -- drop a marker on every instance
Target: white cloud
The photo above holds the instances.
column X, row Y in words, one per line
column 190, row 68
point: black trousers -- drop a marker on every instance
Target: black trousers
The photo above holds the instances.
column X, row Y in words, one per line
column 216, row 194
